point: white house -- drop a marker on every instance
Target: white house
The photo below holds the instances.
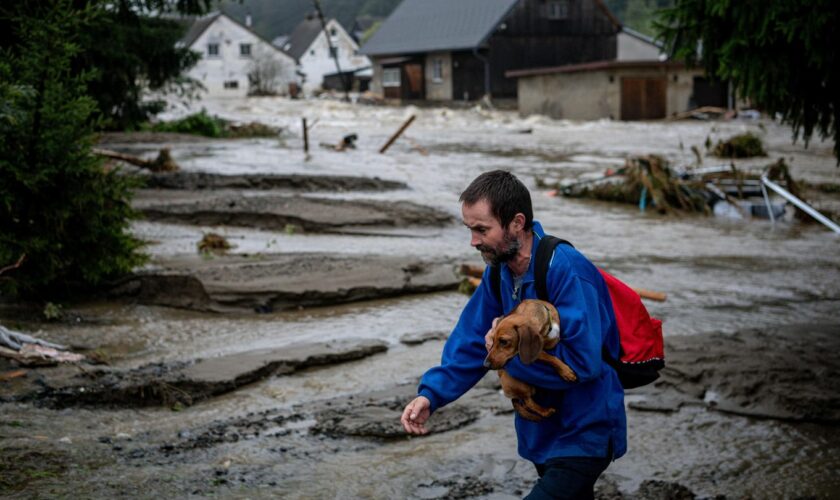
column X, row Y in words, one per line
column 235, row 60
column 308, row 44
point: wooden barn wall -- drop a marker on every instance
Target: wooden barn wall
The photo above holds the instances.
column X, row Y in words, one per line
column 528, row 39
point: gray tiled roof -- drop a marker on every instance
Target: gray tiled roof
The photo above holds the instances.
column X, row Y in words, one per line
column 302, row 37
column 198, row 28
column 430, row 25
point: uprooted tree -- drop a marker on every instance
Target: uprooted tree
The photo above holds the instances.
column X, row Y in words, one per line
column 777, row 53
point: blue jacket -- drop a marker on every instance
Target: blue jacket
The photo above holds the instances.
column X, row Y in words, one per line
column 590, row 418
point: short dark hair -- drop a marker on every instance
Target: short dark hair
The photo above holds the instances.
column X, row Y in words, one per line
column 505, row 193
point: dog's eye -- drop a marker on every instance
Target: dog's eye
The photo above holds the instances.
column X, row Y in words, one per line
column 503, row 342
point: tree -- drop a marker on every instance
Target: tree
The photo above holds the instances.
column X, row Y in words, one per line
column 777, row 53
column 127, row 47
column 58, row 207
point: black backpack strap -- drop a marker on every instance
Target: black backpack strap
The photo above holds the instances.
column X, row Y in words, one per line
column 496, row 282
column 545, row 249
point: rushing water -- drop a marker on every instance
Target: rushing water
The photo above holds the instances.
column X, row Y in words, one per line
column 720, row 276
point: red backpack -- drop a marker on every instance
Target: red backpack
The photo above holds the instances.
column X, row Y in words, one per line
column 640, row 336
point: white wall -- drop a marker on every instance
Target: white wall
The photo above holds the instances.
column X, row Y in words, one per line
column 316, row 65
column 631, row 48
column 229, row 65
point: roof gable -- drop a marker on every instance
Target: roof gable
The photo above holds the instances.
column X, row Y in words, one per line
column 203, row 23
column 431, row 25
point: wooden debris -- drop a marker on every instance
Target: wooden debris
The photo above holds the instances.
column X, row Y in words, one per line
column 12, row 374
column 163, row 162
column 397, row 134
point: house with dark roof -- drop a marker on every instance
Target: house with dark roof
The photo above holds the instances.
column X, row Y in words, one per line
column 316, row 49
column 236, row 61
column 461, row 49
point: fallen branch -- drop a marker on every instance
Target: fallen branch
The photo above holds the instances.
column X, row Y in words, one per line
column 397, row 134
column 163, row 162
column 13, row 266
column 28, row 350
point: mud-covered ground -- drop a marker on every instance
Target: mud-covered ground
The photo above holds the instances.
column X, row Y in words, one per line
column 279, row 369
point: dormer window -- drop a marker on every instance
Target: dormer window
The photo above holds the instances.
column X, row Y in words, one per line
column 213, row 50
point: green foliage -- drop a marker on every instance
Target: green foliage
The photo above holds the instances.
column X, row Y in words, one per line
column 212, row 126
column 197, row 124
column 57, row 205
column 273, row 18
column 126, row 48
column 740, row 146
column 776, row 53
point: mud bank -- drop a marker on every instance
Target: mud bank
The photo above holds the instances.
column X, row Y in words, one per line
column 291, row 213
column 182, row 383
column 298, row 182
column 785, row 373
column 147, row 137
column 266, row 283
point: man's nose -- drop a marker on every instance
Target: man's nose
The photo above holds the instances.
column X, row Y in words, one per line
column 475, row 241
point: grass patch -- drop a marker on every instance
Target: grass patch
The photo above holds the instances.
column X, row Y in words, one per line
column 212, row 126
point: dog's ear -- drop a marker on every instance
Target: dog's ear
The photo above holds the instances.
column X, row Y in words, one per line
column 530, row 344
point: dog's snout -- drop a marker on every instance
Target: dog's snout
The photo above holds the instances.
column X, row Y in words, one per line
column 487, row 361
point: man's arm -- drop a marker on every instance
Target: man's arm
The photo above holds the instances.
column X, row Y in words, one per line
column 582, row 317
column 462, row 361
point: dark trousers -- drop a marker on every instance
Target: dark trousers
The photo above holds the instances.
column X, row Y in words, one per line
column 571, row 478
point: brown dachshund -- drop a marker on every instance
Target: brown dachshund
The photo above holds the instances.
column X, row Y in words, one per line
column 532, row 327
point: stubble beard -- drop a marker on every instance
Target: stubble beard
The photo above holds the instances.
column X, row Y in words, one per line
column 508, row 249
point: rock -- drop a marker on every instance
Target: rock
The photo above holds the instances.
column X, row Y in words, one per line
column 186, row 383
column 203, row 180
column 281, row 212
column 421, row 337
column 663, row 490
column 281, row 282
column 786, row 373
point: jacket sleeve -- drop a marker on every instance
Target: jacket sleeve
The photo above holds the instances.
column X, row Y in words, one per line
column 462, row 363
column 581, row 324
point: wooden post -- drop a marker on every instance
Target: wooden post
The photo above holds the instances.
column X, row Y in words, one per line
column 397, row 134
column 305, row 137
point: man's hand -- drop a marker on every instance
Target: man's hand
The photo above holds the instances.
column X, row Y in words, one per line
column 415, row 415
column 491, row 334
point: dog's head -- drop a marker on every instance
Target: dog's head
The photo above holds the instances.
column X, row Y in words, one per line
column 523, row 331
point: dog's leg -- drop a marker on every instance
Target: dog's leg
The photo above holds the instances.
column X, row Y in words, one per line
column 533, row 407
column 523, row 411
column 560, row 367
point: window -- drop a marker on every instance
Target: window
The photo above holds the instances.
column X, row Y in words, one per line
column 245, row 49
column 232, row 84
column 213, row 49
column 334, row 52
column 312, row 52
column 332, row 32
column 557, row 9
column 437, row 70
column 391, row 77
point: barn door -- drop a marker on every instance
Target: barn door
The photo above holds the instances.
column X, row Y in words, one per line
column 643, row 98
column 414, row 80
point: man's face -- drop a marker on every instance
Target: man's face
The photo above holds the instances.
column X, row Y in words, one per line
column 496, row 244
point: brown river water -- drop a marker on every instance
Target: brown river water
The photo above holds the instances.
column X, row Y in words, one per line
column 721, row 276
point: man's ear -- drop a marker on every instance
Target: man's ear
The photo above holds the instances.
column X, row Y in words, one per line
column 518, row 222
column 530, row 345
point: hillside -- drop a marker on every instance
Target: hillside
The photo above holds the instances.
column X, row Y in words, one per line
column 272, row 18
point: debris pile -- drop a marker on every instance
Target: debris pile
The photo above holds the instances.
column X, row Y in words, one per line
column 720, row 190
column 740, row 146
column 213, row 243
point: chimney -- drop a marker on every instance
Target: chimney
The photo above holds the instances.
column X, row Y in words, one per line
column 248, row 20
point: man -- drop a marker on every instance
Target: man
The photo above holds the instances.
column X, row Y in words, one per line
column 574, row 446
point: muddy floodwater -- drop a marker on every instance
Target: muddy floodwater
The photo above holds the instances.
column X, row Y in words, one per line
column 745, row 289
